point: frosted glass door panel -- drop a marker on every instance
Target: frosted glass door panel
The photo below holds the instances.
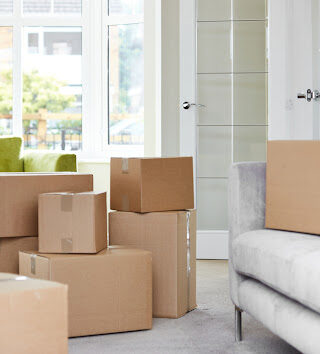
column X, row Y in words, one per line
column 212, row 204
column 214, row 10
column 249, row 46
column 249, row 9
column 249, row 143
column 214, row 151
column 215, row 92
column 250, row 99
column 214, row 52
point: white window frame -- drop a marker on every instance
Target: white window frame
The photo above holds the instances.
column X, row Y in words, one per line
column 94, row 22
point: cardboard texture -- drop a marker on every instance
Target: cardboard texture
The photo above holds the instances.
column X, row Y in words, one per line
column 9, row 252
column 151, row 184
column 19, row 198
column 292, row 195
column 166, row 235
column 108, row 292
column 72, row 222
column 33, row 316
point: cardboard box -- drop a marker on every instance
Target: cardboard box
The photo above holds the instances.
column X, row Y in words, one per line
column 72, row 222
column 292, row 195
column 33, row 316
column 108, row 292
column 9, row 252
column 151, row 184
column 171, row 237
column 19, row 198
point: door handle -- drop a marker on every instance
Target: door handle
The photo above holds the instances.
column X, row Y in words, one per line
column 187, row 105
column 310, row 95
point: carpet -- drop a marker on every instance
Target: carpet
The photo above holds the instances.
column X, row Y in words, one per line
column 208, row 329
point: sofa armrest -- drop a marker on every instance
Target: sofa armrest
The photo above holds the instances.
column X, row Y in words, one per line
column 247, row 189
column 49, row 162
column 247, row 197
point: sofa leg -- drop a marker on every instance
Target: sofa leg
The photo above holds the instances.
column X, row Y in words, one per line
column 238, row 324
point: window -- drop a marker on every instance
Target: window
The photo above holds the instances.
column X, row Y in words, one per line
column 71, row 75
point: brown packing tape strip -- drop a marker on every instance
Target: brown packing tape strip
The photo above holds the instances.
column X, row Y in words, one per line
column 188, row 257
column 67, row 206
column 19, row 278
column 125, row 204
column 125, row 165
column 66, row 202
column 67, row 245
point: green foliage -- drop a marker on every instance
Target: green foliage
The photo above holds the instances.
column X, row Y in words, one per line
column 39, row 92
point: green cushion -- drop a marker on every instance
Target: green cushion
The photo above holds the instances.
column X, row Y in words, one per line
column 49, row 162
column 10, row 154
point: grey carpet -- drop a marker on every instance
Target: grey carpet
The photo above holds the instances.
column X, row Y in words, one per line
column 208, row 329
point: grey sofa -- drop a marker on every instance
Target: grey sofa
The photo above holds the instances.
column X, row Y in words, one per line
column 274, row 275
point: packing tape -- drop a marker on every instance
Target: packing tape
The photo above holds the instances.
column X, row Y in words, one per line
column 125, row 204
column 125, row 165
column 33, row 263
column 19, row 278
column 66, row 206
column 188, row 257
column 66, row 202
column 67, row 245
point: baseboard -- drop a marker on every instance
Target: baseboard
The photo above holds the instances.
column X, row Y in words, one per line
column 212, row 245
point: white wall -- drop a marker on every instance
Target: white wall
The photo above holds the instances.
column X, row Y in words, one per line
column 162, row 77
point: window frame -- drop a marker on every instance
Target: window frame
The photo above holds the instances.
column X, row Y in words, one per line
column 94, row 22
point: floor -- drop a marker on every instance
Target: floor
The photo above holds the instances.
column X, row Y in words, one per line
column 208, row 329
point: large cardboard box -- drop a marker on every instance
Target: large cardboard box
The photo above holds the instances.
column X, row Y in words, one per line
column 19, row 198
column 9, row 252
column 293, row 194
column 72, row 222
column 151, row 184
column 171, row 237
column 33, row 316
column 108, row 292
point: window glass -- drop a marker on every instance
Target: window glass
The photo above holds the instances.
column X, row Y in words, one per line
column 5, row 80
column 125, row 7
column 126, row 84
column 6, row 7
column 52, row 88
column 67, row 7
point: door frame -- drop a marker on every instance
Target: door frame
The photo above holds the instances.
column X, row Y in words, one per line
column 211, row 244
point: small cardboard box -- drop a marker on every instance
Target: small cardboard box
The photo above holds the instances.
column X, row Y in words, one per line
column 9, row 252
column 19, row 198
column 151, row 184
column 171, row 237
column 108, row 292
column 33, row 316
column 72, row 222
column 292, row 194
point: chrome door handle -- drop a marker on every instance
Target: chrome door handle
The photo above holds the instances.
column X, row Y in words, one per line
column 310, row 95
column 187, row 105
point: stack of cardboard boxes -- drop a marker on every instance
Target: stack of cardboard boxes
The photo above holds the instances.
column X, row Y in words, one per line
column 110, row 289
column 153, row 199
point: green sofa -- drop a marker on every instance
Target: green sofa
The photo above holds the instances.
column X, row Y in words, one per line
column 12, row 160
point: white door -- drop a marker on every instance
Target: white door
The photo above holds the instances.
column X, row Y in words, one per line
column 294, row 68
column 224, row 74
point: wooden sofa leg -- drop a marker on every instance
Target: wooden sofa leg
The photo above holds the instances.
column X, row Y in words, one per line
column 238, row 324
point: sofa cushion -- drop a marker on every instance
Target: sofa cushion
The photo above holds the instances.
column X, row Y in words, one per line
column 10, row 150
column 287, row 262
